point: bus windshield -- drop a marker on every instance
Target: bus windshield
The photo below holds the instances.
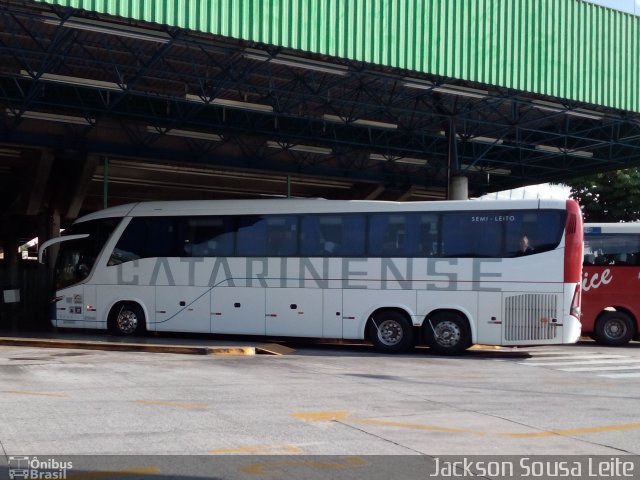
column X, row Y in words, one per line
column 76, row 258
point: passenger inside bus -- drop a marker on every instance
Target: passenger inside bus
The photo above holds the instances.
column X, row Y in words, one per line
column 524, row 248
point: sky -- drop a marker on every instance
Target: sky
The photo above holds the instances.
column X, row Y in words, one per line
column 544, row 190
column 629, row 6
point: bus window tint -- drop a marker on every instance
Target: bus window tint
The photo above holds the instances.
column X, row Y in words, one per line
column 402, row 235
column 251, row 236
column 428, row 235
column 388, row 235
column 612, row 249
column 209, row 236
column 472, row 234
column 282, row 236
column 146, row 238
column 543, row 230
column 333, row 235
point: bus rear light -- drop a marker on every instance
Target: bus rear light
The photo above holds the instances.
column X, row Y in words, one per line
column 576, row 302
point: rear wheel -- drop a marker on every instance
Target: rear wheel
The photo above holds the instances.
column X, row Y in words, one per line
column 447, row 333
column 391, row 332
column 127, row 319
column 614, row 329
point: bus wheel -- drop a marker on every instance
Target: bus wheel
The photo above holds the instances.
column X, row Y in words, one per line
column 126, row 319
column 447, row 333
column 614, row 328
column 391, row 332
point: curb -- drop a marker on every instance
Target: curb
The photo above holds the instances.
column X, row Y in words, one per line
column 126, row 347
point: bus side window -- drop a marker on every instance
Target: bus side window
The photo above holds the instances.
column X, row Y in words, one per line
column 251, row 236
column 209, row 236
column 310, row 236
column 282, row 235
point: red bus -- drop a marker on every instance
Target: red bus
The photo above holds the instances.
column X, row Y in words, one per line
column 611, row 282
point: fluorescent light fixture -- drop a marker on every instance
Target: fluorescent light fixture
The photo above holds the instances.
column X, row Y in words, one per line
column 52, row 117
column 185, row 133
column 581, row 112
column 297, row 62
column 461, row 91
column 8, row 152
column 479, row 139
column 574, row 153
column 360, row 121
column 83, row 82
column 258, row 107
column 548, row 106
column 444, row 88
column 558, row 108
column 490, row 170
column 97, row 26
column 490, row 140
column 407, row 160
column 299, row 148
column 417, row 84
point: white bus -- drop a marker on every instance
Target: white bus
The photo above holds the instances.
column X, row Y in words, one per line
column 448, row 274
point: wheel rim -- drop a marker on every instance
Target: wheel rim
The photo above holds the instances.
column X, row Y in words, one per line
column 615, row 329
column 447, row 333
column 390, row 333
column 127, row 321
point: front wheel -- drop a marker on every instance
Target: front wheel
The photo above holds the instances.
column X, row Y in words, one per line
column 614, row 329
column 391, row 332
column 127, row 319
column 447, row 333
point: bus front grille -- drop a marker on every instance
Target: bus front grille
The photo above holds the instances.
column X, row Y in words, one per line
column 530, row 317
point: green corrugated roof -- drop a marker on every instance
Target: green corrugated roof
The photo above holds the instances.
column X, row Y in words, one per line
column 562, row 48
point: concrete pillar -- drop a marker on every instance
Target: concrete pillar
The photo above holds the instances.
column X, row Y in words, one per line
column 11, row 311
column 48, row 228
column 459, row 188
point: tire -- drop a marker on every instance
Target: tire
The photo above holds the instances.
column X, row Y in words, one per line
column 447, row 333
column 614, row 329
column 391, row 332
column 127, row 319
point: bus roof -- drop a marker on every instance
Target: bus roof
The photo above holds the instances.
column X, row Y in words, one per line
column 595, row 228
column 297, row 205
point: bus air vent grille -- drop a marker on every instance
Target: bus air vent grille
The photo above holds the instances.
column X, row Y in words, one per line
column 531, row 316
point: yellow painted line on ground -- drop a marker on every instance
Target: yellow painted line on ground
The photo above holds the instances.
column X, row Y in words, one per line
column 485, row 347
column 119, row 473
column 344, row 415
column 259, row 450
column 575, row 431
column 415, row 427
column 172, row 404
column 126, row 346
column 40, row 394
column 274, row 349
column 321, row 416
column 263, row 468
column 231, row 350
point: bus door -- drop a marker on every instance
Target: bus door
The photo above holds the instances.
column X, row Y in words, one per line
column 294, row 312
column 182, row 309
column 332, row 313
column 237, row 310
column 490, row 318
column 90, row 307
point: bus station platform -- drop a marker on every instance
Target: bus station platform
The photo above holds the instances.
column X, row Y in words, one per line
column 150, row 344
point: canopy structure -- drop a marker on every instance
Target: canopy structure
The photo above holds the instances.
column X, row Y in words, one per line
column 106, row 102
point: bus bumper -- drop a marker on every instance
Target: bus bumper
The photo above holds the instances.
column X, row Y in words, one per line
column 571, row 329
